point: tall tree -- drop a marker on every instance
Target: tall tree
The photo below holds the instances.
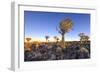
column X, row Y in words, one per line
column 64, row 27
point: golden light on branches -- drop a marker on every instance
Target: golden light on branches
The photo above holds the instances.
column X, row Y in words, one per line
column 65, row 26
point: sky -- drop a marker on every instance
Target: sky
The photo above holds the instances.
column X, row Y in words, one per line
column 37, row 25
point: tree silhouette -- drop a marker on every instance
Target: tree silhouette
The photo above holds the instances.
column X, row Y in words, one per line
column 83, row 37
column 81, row 34
column 28, row 39
column 27, row 44
column 46, row 37
column 56, row 38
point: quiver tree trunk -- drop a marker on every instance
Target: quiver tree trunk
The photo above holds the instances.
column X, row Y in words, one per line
column 63, row 41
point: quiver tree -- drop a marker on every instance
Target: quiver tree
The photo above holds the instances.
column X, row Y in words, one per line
column 83, row 38
column 47, row 37
column 28, row 39
column 81, row 35
column 64, row 27
column 27, row 44
column 56, row 38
